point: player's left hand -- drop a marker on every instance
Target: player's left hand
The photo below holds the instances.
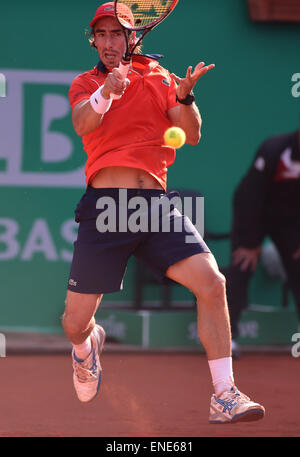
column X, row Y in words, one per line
column 186, row 85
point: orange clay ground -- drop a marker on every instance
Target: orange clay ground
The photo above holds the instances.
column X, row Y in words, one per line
column 144, row 395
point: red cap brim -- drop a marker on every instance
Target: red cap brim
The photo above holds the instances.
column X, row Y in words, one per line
column 100, row 16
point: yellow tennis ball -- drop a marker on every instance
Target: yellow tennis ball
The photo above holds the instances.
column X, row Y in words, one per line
column 174, row 137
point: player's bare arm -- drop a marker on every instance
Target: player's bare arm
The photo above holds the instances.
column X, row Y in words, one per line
column 188, row 116
column 189, row 119
column 84, row 117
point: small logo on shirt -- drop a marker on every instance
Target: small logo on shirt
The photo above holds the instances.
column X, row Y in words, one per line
column 72, row 282
column 166, row 82
column 260, row 164
column 287, row 168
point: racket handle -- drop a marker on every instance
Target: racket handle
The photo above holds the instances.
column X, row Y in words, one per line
column 123, row 69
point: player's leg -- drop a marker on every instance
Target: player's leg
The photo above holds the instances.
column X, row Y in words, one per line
column 98, row 267
column 200, row 274
column 181, row 254
column 78, row 319
column 87, row 339
column 178, row 251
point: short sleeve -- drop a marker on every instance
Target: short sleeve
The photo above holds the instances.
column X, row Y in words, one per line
column 78, row 91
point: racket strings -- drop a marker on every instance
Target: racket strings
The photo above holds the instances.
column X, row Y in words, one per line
column 144, row 11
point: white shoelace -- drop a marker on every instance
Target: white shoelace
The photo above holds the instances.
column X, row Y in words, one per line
column 239, row 397
column 83, row 373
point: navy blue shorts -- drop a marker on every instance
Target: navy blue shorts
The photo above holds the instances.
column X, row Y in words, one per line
column 113, row 227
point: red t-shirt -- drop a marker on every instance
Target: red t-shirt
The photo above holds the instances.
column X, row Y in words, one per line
column 131, row 132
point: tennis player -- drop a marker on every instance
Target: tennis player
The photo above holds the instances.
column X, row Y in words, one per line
column 123, row 140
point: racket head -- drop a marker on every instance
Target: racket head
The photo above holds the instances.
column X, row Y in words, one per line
column 138, row 15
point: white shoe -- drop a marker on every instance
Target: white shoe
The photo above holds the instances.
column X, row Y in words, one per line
column 87, row 373
column 234, row 406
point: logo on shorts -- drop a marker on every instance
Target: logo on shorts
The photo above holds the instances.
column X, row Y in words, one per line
column 72, row 282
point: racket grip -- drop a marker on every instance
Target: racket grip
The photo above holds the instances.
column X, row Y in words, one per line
column 123, row 69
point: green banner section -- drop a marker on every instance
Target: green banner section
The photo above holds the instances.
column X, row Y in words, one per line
column 122, row 326
column 267, row 326
column 259, row 326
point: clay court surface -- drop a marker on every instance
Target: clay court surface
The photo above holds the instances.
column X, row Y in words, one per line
column 143, row 395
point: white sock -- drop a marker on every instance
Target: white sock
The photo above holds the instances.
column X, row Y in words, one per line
column 222, row 374
column 83, row 350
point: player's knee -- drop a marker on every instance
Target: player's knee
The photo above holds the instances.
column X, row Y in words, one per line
column 71, row 325
column 214, row 292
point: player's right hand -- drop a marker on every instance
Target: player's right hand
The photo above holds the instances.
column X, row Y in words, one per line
column 115, row 84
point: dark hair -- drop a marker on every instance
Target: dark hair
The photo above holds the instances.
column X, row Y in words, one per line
column 91, row 37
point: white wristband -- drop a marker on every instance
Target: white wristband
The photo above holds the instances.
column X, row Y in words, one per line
column 100, row 104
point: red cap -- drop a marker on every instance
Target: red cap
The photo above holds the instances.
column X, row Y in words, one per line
column 107, row 9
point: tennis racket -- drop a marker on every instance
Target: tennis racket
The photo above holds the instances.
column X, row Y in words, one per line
column 139, row 17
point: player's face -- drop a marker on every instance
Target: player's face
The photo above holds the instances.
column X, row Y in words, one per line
column 109, row 41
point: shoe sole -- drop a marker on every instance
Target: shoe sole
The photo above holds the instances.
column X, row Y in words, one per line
column 249, row 416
